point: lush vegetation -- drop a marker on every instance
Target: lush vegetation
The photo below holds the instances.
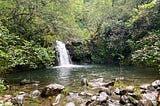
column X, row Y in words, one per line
column 111, row 31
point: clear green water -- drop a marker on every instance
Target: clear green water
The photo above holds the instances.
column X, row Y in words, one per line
column 71, row 76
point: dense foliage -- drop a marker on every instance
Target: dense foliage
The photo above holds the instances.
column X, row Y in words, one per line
column 122, row 32
column 111, row 31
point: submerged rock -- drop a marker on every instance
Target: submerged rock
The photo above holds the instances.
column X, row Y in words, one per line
column 27, row 81
column 52, row 90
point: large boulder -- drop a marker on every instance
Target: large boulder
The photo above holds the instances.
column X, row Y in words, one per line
column 52, row 90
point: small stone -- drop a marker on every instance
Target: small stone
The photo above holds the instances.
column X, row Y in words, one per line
column 21, row 93
column 83, row 94
column 8, row 104
column 102, row 97
column 124, row 100
column 35, row 85
column 70, row 104
column 130, row 89
column 117, row 91
column 35, row 94
column 89, row 94
column 93, row 98
column 119, row 79
column 8, row 96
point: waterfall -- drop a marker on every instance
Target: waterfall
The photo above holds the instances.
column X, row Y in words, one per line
column 63, row 56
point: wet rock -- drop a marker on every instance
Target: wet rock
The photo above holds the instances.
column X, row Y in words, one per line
column 8, row 103
column 89, row 94
column 156, row 83
column 74, row 97
column 86, row 94
column 130, row 89
column 52, row 90
column 124, row 100
column 88, row 103
column 158, row 89
column 151, row 96
column 117, row 91
column 82, row 104
column 82, row 94
column 146, row 87
column 106, row 90
column 35, row 94
column 18, row 100
column 94, row 98
column 8, row 96
column 110, row 83
column 111, row 102
column 102, row 97
column 145, row 102
column 84, row 82
column 70, row 104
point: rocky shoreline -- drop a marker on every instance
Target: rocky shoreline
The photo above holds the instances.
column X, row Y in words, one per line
column 96, row 92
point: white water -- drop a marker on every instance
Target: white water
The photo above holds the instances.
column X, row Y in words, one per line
column 63, row 56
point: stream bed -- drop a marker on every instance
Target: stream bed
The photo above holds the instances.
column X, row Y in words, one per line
column 71, row 77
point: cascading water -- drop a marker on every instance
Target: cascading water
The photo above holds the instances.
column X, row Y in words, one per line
column 63, row 56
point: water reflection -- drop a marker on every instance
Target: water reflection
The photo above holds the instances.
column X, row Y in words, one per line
column 70, row 75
